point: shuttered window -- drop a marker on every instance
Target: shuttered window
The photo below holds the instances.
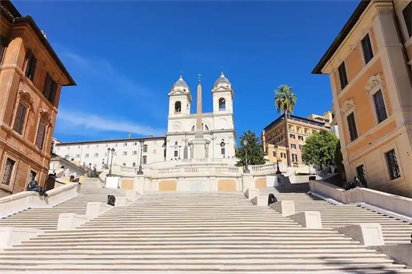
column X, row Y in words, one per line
column 407, row 15
column 3, row 46
column 353, row 132
column 343, row 77
column 31, row 62
column 20, row 118
column 380, row 106
column 8, row 172
column 50, row 89
column 361, row 173
column 392, row 163
column 367, row 49
column 40, row 135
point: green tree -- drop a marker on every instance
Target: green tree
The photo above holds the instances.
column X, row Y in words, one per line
column 319, row 149
column 253, row 148
column 285, row 101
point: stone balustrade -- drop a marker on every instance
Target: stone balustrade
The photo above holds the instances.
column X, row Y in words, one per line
column 29, row 199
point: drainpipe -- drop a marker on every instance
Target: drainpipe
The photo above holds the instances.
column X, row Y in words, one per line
column 402, row 39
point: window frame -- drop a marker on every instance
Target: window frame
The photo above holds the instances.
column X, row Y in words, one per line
column 365, row 63
column 144, row 160
column 29, row 58
column 9, row 187
column 50, row 87
column 41, row 121
column 388, row 169
column 343, row 85
column 374, row 85
column 377, row 119
column 365, row 183
column 407, row 31
column 23, row 125
column 356, row 126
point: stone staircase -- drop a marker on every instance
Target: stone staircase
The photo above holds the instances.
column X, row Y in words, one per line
column 194, row 233
column 46, row 218
column 394, row 231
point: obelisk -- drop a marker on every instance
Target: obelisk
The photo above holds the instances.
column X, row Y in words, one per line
column 199, row 126
column 199, row 143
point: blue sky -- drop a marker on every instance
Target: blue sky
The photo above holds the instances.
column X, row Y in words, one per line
column 125, row 55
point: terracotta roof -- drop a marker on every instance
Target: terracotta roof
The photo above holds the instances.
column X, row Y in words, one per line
column 341, row 36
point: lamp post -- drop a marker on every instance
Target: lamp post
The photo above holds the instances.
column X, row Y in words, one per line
column 108, row 156
column 277, row 161
column 246, row 166
column 140, row 171
column 111, row 160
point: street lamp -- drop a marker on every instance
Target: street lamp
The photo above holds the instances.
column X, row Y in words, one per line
column 140, row 171
column 246, row 166
column 111, row 160
column 108, row 156
column 277, row 161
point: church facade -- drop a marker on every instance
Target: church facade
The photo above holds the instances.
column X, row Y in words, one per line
column 218, row 126
column 218, row 132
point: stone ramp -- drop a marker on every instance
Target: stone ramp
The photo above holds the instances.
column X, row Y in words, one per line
column 194, row 233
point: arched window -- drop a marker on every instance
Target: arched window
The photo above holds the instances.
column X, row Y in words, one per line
column 67, row 157
column 134, row 164
column 222, row 104
column 124, row 164
column 205, row 127
column 222, row 148
column 144, row 148
column 178, row 107
column 193, row 128
column 144, row 159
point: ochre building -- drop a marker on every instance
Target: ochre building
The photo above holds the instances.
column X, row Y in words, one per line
column 369, row 64
column 299, row 128
column 31, row 77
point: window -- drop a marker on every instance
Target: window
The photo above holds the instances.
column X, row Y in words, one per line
column 300, row 147
column 124, row 153
column 154, row 151
column 3, row 45
column 392, row 164
column 292, row 136
column 176, row 153
column 223, row 151
column 134, row 152
column 294, row 158
column 50, row 88
column 78, row 147
column 144, row 159
column 40, row 134
column 361, row 174
column 293, row 146
column 32, row 175
column 125, row 144
column 407, row 16
column 20, row 118
column 30, row 65
column 353, row 132
column 135, row 144
column 274, row 154
column 367, row 49
column 124, row 164
column 87, row 147
column 134, row 164
column 178, row 107
column 300, row 138
column 282, row 155
column 8, row 172
column 77, row 155
column 222, row 104
column 96, row 155
column 379, row 106
column 343, row 77
column 145, row 148
column 86, row 155
column 97, row 145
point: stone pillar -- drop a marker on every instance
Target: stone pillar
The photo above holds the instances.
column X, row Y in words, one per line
column 285, row 207
column 308, row 219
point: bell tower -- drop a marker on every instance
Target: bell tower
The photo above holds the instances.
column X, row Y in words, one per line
column 179, row 99
column 222, row 95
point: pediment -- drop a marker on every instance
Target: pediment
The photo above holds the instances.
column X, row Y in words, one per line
column 348, row 106
column 374, row 82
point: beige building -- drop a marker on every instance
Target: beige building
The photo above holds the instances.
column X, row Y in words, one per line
column 31, row 78
column 369, row 64
column 299, row 128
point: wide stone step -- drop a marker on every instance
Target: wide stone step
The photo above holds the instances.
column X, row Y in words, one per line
column 207, row 267
column 206, row 262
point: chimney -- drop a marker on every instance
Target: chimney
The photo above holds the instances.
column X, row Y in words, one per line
column 130, row 136
column 42, row 32
column 150, row 136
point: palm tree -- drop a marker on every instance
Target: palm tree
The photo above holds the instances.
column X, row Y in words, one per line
column 285, row 101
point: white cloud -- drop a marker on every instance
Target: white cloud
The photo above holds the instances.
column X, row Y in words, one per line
column 76, row 121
